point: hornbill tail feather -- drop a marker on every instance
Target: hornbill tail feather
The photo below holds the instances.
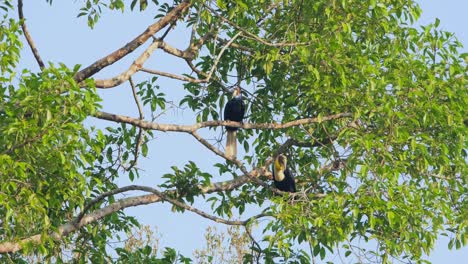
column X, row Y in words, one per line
column 231, row 144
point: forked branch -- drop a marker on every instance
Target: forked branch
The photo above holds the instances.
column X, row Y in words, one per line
column 171, row 17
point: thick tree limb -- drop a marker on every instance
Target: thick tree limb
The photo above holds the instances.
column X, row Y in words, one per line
column 137, row 65
column 84, row 219
column 171, row 17
column 73, row 225
column 214, row 123
column 28, row 36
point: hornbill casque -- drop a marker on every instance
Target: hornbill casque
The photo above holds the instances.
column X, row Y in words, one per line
column 282, row 176
column 233, row 111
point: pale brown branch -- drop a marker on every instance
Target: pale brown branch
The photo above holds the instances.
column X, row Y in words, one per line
column 125, row 76
column 171, row 17
column 28, row 36
column 172, row 76
column 237, row 46
column 220, row 54
column 201, row 73
column 195, row 210
column 214, row 123
column 174, row 51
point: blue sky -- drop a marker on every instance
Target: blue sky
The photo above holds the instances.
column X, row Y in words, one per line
column 60, row 37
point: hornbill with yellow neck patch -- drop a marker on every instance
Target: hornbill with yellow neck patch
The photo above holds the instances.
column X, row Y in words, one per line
column 282, row 176
column 233, row 111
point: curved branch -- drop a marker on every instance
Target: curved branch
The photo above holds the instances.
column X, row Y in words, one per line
column 73, row 225
column 214, row 123
column 28, row 36
column 125, row 76
column 171, row 17
column 197, row 211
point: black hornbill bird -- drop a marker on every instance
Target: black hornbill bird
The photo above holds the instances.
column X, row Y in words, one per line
column 233, row 111
column 282, row 176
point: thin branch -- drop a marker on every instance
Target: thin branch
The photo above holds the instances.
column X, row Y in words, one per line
column 172, row 76
column 214, row 123
column 140, row 130
column 197, row 211
column 172, row 16
column 255, row 37
column 164, row 35
column 201, row 73
column 28, row 36
column 220, row 54
column 99, row 198
column 259, row 249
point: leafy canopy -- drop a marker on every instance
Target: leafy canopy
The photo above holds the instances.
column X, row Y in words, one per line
column 384, row 161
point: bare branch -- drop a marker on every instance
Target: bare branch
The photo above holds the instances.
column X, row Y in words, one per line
column 171, row 17
column 136, row 65
column 28, row 36
column 214, row 123
column 172, row 76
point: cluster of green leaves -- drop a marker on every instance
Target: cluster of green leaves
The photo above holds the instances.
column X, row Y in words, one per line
column 93, row 9
column 10, row 46
column 186, row 182
column 44, row 153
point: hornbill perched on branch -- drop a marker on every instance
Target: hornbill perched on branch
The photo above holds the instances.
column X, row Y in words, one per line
column 282, row 176
column 233, row 111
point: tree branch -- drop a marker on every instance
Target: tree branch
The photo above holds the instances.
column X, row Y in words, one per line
column 140, row 130
column 28, row 36
column 172, row 76
column 197, row 211
column 171, row 17
column 73, row 225
column 214, row 123
column 125, row 76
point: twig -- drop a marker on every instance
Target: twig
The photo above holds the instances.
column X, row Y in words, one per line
column 140, row 131
column 254, row 242
column 220, row 54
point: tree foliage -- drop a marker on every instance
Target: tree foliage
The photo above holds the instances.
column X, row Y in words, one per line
column 370, row 110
